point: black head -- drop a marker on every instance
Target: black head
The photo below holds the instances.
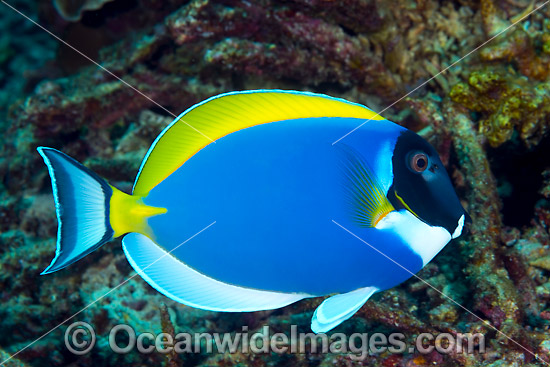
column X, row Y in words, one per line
column 422, row 186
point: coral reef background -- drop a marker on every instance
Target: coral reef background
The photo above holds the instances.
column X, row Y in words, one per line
column 488, row 116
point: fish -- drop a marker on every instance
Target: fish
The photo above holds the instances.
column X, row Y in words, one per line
column 254, row 200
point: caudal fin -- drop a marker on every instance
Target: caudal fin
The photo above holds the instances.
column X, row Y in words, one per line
column 82, row 203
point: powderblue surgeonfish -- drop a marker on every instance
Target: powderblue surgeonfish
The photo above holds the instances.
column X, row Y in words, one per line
column 289, row 214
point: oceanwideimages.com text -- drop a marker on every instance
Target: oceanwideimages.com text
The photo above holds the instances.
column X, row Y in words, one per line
column 80, row 338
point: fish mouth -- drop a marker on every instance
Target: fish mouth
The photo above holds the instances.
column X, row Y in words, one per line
column 463, row 226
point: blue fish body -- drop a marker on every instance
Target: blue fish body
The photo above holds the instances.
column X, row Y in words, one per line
column 276, row 208
column 273, row 191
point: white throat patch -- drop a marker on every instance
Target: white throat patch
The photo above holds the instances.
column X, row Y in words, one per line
column 422, row 238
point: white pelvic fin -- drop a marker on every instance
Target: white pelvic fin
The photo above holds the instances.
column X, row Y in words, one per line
column 183, row 284
column 337, row 309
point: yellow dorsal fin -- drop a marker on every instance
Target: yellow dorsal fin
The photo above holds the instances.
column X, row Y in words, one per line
column 226, row 113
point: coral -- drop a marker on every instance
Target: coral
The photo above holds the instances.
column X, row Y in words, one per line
column 510, row 91
column 495, row 274
column 493, row 21
column 497, row 296
column 256, row 40
column 507, row 102
column 521, row 48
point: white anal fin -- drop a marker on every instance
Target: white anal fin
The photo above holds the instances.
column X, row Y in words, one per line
column 337, row 309
column 176, row 280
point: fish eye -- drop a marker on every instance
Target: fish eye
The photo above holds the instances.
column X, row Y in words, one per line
column 418, row 162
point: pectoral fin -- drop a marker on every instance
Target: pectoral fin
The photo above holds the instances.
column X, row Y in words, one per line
column 337, row 309
column 366, row 197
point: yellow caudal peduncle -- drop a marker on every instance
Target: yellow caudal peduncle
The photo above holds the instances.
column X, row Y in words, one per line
column 129, row 214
